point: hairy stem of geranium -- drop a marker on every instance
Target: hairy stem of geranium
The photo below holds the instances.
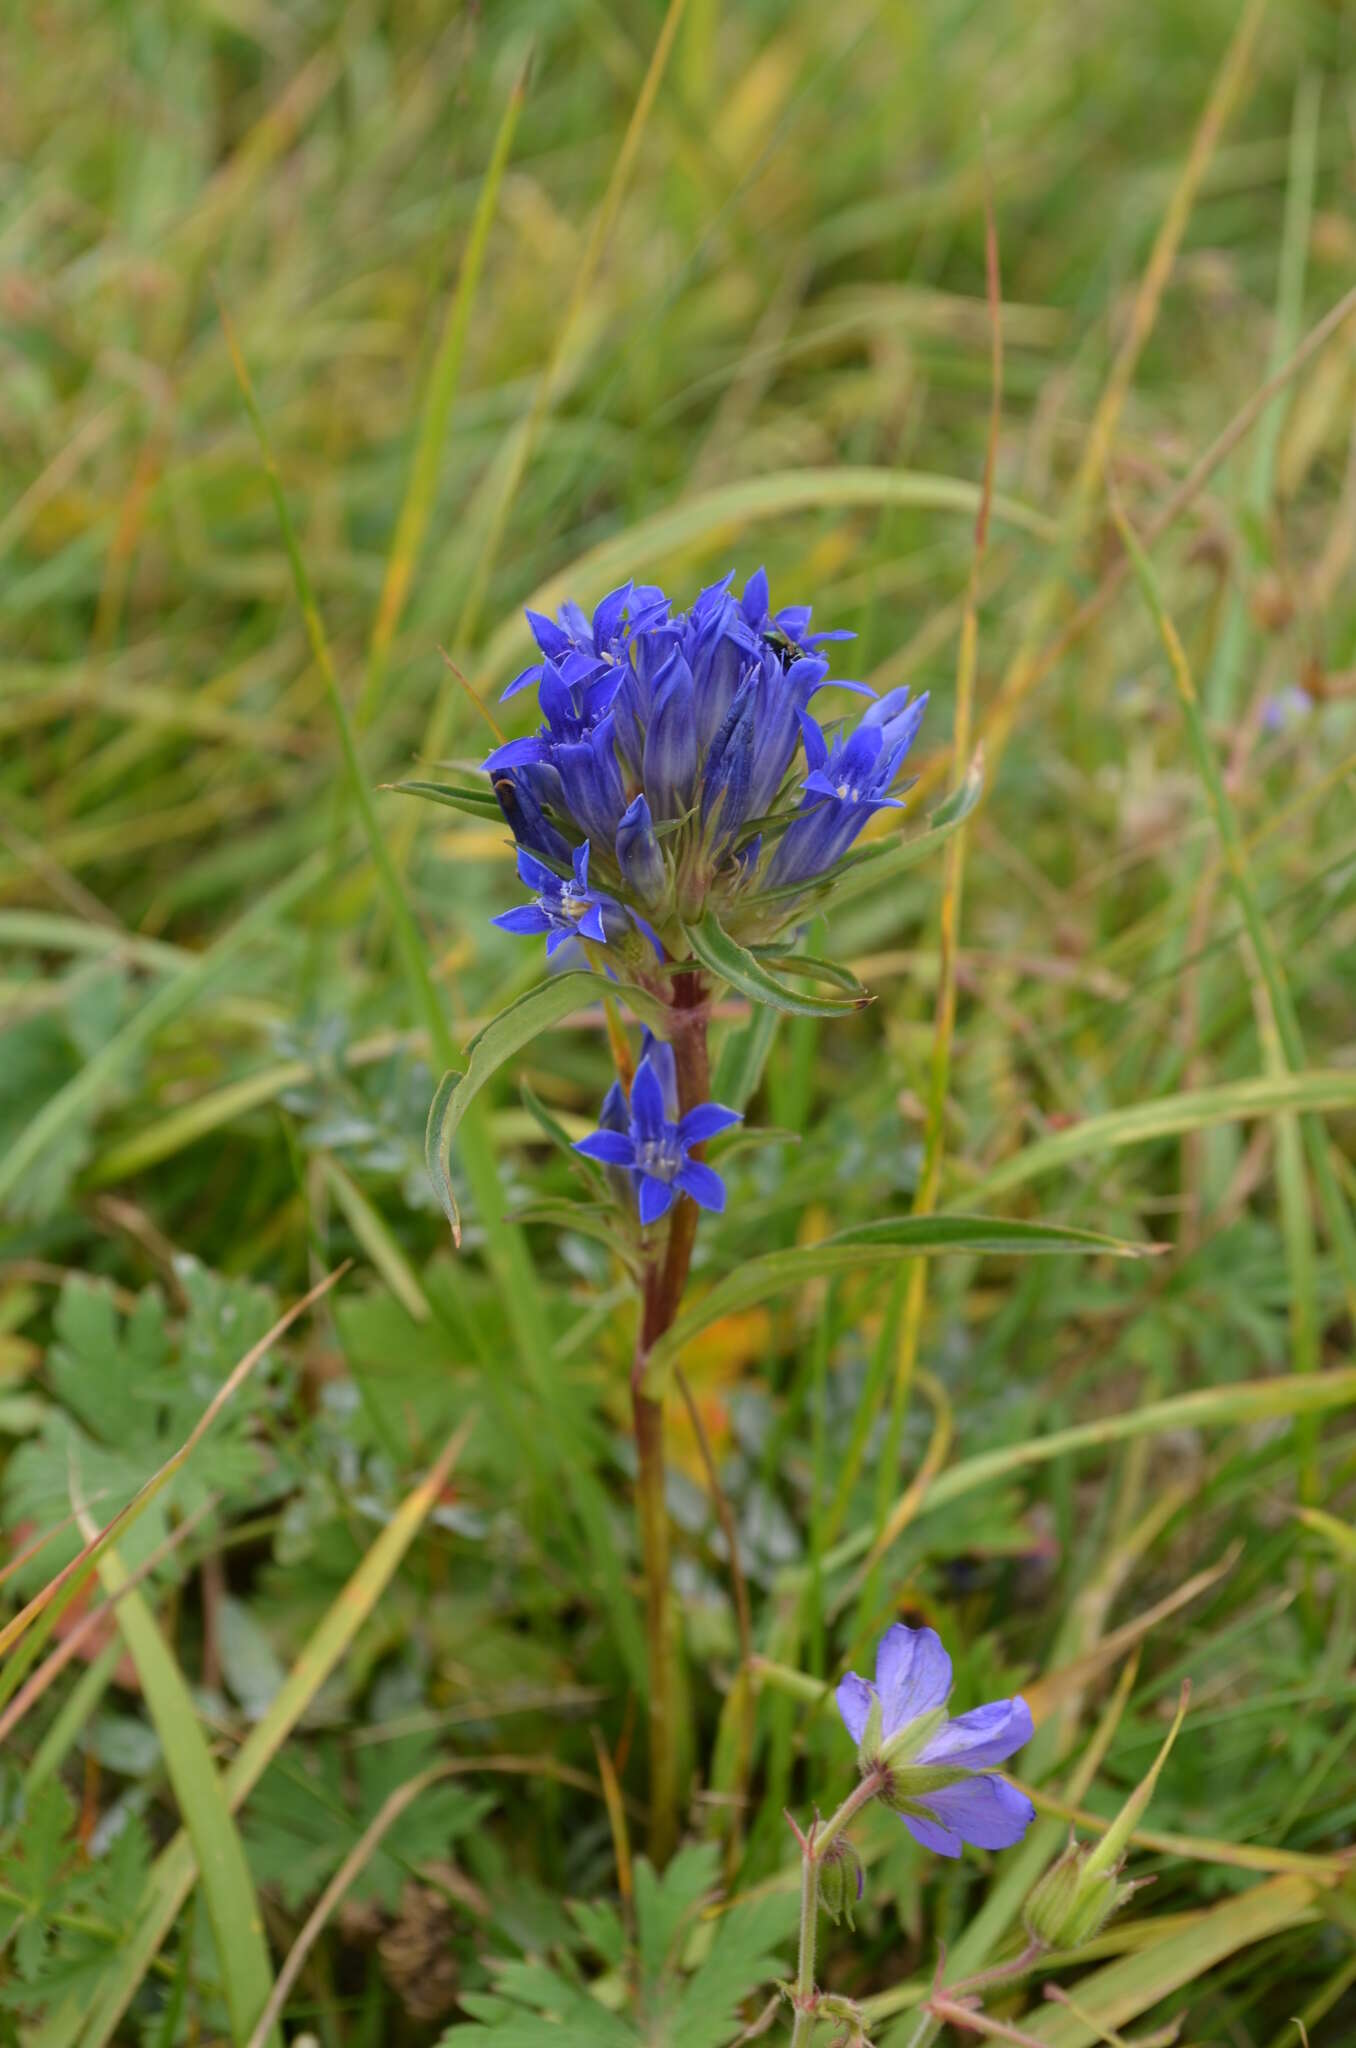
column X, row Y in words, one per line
column 813, row 1849
column 665, row 1281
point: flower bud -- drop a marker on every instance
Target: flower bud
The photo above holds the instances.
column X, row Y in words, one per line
column 1079, row 1893
column 1072, row 1903
column 840, row 1881
column 639, row 856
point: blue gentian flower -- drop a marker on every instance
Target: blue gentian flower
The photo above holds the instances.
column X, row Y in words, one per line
column 654, row 1148
column 848, row 783
column 681, row 749
column 939, row 1775
column 563, row 910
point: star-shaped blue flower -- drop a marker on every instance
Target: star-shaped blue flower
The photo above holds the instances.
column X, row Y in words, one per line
column 563, row 910
column 913, row 1680
column 656, row 1151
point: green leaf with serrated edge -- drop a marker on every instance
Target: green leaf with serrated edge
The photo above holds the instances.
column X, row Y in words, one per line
column 881, row 1243
column 744, row 971
column 479, row 803
column 505, row 1035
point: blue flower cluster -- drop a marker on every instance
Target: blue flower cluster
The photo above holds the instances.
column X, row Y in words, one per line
column 678, row 765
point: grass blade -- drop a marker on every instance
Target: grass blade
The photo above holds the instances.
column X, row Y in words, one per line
column 175, row 1869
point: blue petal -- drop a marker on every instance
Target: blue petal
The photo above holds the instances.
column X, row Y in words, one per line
column 581, row 865
column 647, row 1102
column 703, row 1184
column 707, row 1120
column 754, row 602
column 536, row 874
column 657, row 1197
column 986, row 1735
column 524, row 917
column 614, row 1148
column 913, row 1674
column 522, row 681
column 591, row 924
column 515, row 754
column 854, row 1697
column 547, row 633
column 985, row 1810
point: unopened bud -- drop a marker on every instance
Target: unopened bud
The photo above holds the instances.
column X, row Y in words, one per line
column 1079, row 1893
column 839, row 1872
column 1072, row 1903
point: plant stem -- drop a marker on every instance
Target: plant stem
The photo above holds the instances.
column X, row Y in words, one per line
column 665, row 1279
column 813, row 1848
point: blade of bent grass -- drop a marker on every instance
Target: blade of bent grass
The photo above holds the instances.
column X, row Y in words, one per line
column 912, row 1285
column 507, row 1251
column 697, row 522
column 421, row 489
column 1244, row 1401
column 46, row 1606
column 86, row 1087
column 174, row 1871
column 228, row 1889
column 1145, row 1122
column 1285, row 1018
column 552, row 380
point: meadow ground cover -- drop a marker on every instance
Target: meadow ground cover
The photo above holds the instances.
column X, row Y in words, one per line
column 406, row 1636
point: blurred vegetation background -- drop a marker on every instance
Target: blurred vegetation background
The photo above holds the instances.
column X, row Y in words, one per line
column 730, row 310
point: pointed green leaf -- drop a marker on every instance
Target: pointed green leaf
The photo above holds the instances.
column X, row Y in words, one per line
column 507, row 1034
column 871, row 1244
column 744, row 971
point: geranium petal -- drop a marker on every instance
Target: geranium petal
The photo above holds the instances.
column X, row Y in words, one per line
column 854, row 1697
column 985, row 1810
column 986, row 1735
column 913, row 1674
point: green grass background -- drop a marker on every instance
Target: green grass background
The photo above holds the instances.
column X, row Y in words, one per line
column 722, row 319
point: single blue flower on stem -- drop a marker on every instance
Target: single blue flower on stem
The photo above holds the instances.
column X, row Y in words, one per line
column 655, row 1149
column 900, row 1724
column 563, row 910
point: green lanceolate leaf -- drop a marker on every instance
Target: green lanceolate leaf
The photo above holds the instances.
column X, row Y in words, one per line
column 744, row 971
column 507, row 1034
column 480, row 803
column 871, row 1244
column 814, row 969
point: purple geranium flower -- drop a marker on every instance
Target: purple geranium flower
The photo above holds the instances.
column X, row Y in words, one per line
column 921, row 1749
column 655, row 1149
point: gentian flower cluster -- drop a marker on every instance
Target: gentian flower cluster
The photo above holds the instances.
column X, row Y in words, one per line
column 678, row 769
column 938, row 1772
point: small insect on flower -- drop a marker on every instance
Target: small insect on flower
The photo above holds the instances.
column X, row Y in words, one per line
column 937, row 1771
column 655, row 1149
